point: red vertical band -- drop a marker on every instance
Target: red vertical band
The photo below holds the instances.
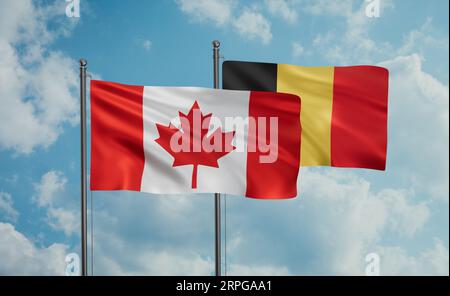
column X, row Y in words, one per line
column 359, row 118
column 278, row 179
column 117, row 149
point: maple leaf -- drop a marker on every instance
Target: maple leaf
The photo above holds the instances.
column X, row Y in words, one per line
column 193, row 145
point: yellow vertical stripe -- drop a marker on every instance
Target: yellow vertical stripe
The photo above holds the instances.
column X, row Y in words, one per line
column 314, row 85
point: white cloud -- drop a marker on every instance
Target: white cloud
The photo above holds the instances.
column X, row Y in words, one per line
column 175, row 239
column 350, row 43
column 337, row 219
column 424, row 37
column 351, row 217
column 419, row 135
column 297, row 50
column 39, row 86
column 253, row 25
column 243, row 270
column 7, row 207
column 20, row 256
column 150, row 262
column 125, row 245
column 405, row 219
column 64, row 220
column 51, row 184
column 281, row 8
column 432, row 261
column 250, row 24
column 335, row 222
column 216, row 11
column 50, row 194
column 326, row 7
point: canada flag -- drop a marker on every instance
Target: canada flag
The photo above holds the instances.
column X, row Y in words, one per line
column 178, row 140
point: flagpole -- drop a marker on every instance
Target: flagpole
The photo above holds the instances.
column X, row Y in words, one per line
column 83, row 67
column 216, row 45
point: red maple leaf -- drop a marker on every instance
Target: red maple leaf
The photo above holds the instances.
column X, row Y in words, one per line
column 194, row 131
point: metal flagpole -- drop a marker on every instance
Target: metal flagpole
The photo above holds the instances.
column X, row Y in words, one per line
column 216, row 45
column 83, row 64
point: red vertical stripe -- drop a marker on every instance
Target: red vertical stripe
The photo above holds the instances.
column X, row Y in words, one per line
column 117, row 150
column 277, row 179
column 359, row 118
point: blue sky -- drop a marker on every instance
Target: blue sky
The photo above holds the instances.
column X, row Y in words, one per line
column 340, row 216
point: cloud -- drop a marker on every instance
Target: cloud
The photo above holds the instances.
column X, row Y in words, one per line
column 326, row 7
column 175, row 239
column 432, row 261
column 170, row 241
column 337, row 220
column 424, row 37
column 49, row 194
column 352, row 217
column 405, row 219
column 51, row 183
column 21, row 257
column 243, row 270
column 329, row 229
column 150, row 262
column 281, row 8
column 7, row 207
column 297, row 50
column 350, row 43
column 216, row 11
column 39, row 86
column 418, row 135
column 250, row 24
column 63, row 219
column 253, row 25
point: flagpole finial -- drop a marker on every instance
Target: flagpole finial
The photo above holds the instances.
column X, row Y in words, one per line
column 216, row 43
column 83, row 62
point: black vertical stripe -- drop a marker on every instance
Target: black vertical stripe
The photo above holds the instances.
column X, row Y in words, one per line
column 249, row 76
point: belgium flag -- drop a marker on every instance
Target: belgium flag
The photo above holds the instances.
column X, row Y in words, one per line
column 343, row 113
